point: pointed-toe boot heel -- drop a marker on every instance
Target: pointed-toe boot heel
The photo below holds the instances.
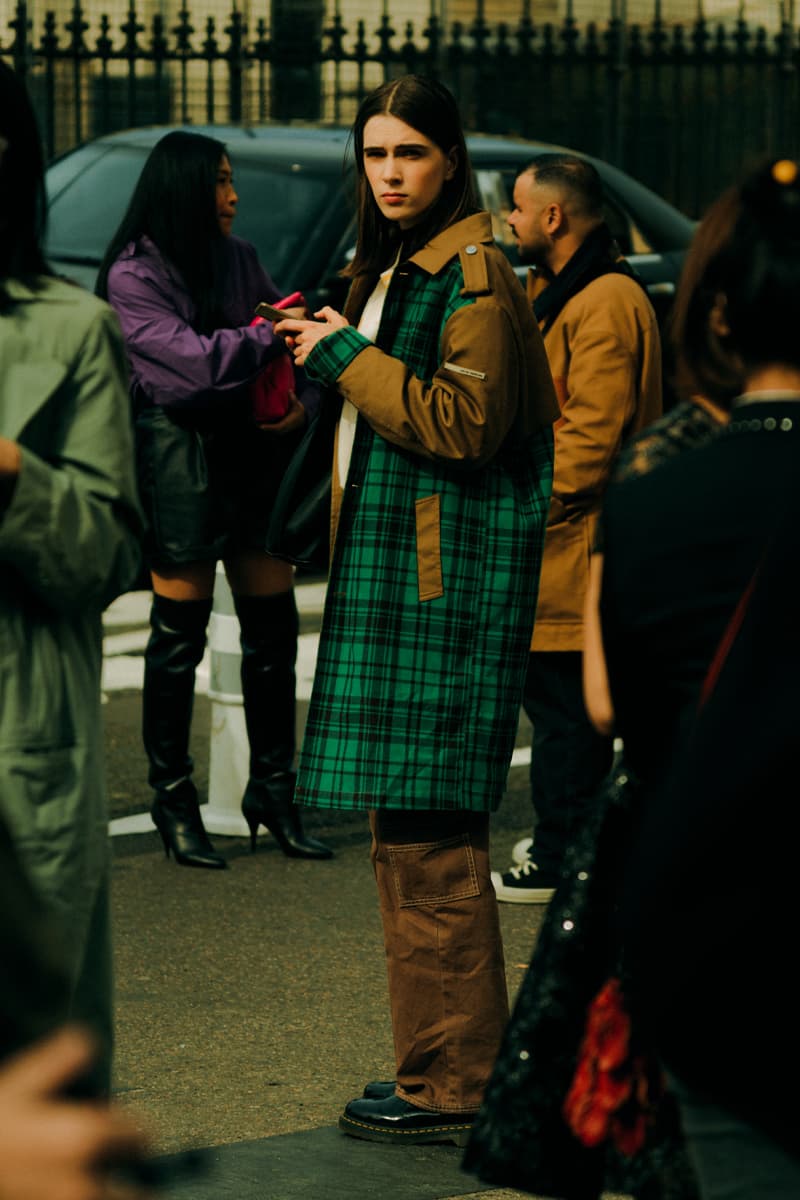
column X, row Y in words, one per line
column 269, row 803
column 176, row 816
column 252, row 819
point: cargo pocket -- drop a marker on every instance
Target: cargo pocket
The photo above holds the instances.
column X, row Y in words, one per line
column 429, row 547
column 417, row 882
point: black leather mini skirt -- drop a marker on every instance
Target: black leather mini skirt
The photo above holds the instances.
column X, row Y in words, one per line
column 206, row 491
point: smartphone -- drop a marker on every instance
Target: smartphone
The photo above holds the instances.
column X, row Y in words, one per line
column 273, row 312
column 270, row 313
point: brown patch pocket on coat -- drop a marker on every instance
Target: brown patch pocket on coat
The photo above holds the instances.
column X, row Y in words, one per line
column 429, row 547
column 454, row 877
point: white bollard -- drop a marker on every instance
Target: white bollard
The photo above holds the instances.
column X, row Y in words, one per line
column 229, row 750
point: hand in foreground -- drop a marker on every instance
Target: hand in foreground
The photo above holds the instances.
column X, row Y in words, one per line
column 9, row 459
column 302, row 336
column 294, row 419
column 59, row 1148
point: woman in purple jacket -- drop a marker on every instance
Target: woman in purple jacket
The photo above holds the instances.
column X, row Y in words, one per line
column 185, row 291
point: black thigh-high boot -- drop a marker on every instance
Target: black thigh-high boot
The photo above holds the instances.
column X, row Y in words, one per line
column 176, row 644
column 269, row 628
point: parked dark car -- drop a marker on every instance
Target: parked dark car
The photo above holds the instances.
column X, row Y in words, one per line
column 295, row 184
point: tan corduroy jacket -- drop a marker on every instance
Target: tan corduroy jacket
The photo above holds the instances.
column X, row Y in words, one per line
column 605, row 356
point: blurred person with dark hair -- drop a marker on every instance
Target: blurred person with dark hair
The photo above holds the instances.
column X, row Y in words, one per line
column 603, row 346
column 672, row 573
column 186, row 289
column 69, row 544
column 682, row 890
column 702, row 547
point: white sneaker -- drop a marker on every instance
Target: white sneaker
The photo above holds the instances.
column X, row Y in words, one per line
column 525, row 884
column 522, row 851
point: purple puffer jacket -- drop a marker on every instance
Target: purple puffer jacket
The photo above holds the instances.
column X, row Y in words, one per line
column 170, row 363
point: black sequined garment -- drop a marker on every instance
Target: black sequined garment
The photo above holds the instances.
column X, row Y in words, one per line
column 684, row 427
column 520, row 1138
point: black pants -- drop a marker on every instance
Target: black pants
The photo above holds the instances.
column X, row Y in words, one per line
column 569, row 759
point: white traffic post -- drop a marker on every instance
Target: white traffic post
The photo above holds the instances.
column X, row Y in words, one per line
column 229, row 762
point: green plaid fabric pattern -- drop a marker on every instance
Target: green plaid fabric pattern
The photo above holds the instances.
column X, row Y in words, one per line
column 415, row 704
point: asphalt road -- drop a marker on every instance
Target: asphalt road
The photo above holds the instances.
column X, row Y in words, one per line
column 251, row 1003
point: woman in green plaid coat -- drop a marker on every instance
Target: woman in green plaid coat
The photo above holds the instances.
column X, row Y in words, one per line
column 442, row 474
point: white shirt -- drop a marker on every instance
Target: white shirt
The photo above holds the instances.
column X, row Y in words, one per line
column 369, row 326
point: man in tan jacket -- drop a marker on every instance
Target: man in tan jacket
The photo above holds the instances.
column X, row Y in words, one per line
column 602, row 343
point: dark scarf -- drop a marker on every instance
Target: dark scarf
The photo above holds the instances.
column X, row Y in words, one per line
column 597, row 255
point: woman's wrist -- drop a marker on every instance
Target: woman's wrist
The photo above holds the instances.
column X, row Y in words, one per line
column 333, row 354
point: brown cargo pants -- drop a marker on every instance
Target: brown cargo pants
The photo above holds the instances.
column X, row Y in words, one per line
column 444, row 954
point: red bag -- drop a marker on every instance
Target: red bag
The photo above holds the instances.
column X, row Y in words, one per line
column 269, row 391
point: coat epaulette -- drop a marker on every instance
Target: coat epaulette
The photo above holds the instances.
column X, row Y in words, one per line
column 475, row 270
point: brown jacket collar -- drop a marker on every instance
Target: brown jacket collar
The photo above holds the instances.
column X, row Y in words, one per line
column 433, row 256
column 440, row 250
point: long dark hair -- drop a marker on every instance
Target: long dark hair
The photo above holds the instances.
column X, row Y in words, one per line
column 174, row 204
column 430, row 108
column 744, row 262
column 23, row 204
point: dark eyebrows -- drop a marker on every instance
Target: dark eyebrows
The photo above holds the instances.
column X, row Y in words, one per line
column 399, row 148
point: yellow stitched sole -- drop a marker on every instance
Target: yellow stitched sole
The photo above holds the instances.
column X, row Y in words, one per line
column 433, row 1133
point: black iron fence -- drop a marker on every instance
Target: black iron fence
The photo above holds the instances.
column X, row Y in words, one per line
column 683, row 108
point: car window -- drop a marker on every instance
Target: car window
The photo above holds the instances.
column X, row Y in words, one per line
column 617, row 221
column 495, row 188
column 294, row 216
column 63, row 171
column 86, row 211
column 624, row 229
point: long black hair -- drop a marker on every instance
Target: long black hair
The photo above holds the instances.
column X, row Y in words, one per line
column 174, row 204
column 427, row 106
column 23, row 204
column 744, row 265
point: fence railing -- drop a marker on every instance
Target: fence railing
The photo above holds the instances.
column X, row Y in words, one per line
column 683, row 108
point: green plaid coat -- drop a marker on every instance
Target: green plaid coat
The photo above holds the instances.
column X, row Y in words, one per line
column 435, row 567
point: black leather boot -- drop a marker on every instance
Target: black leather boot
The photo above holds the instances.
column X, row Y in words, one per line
column 269, row 802
column 176, row 644
column 176, row 816
column 269, row 628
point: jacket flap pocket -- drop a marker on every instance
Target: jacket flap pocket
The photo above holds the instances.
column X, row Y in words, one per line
column 429, row 547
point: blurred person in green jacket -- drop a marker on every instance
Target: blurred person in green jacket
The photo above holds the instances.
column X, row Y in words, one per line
column 55, row 1141
column 69, row 544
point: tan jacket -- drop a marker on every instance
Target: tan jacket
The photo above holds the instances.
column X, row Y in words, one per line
column 493, row 382
column 605, row 356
